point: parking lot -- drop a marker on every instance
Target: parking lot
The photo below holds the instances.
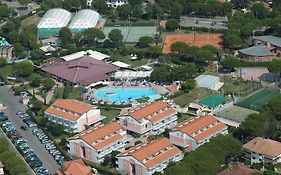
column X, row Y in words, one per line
column 29, row 142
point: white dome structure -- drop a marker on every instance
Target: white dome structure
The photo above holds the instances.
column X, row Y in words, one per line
column 55, row 18
column 84, row 19
column 53, row 21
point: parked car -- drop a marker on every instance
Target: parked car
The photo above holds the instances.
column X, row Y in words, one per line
column 24, row 128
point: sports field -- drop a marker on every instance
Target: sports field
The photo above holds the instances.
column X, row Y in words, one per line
column 131, row 34
column 235, row 113
column 196, row 39
column 257, row 100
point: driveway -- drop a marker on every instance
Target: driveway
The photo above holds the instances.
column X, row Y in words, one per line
column 13, row 105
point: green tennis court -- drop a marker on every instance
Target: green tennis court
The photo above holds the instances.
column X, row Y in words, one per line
column 131, row 34
column 257, row 100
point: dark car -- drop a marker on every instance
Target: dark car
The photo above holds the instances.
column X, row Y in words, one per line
column 24, row 128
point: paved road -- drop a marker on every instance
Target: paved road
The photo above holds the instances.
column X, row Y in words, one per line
column 15, row 5
column 13, row 148
column 11, row 101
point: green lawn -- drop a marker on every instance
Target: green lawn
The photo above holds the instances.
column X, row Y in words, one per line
column 133, row 63
column 191, row 96
column 240, row 87
column 75, row 93
column 6, row 71
column 183, row 116
column 32, row 20
column 110, row 114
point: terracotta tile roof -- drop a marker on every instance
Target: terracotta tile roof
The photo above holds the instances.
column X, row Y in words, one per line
column 161, row 115
column 75, row 108
column 152, row 111
column 238, row 169
column 76, row 167
column 98, row 134
column 201, row 127
column 173, row 88
column 150, row 155
column 108, row 141
column 268, row 147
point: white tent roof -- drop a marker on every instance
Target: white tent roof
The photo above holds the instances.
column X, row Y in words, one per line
column 55, row 18
column 146, row 67
column 120, row 64
column 84, row 19
column 93, row 54
column 208, row 81
column 128, row 74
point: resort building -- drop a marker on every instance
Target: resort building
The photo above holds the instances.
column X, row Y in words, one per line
column 95, row 143
column 6, row 50
column 52, row 22
column 261, row 150
column 149, row 158
column 239, row 169
column 152, row 118
column 75, row 115
column 83, row 70
column 75, row 167
column 84, row 19
column 264, row 49
column 196, row 131
column 90, row 53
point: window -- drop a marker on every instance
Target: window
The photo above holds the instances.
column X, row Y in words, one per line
column 83, row 151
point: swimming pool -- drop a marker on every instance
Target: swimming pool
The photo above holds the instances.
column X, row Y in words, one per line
column 125, row 94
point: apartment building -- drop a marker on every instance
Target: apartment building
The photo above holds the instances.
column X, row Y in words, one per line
column 77, row 167
column 95, row 143
column 261, row 150
column 147, row 159
column 196, row 131
column 74, row 115
column 152, row 118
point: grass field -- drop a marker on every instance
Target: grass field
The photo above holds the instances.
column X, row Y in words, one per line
column 6, row 71
column 193, row 95
column 110, row 114
column 257, row 100
column 30, row 21
column 235, row 113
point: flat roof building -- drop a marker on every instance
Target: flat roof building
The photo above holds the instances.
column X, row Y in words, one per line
column 53, row 21
column 83, row 20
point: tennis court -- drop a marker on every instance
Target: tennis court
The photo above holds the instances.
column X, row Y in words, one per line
column 235, row 113
column 257, row 100
column 131, row 34
column 197, row 39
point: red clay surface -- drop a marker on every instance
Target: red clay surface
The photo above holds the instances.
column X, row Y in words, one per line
column 198, row 40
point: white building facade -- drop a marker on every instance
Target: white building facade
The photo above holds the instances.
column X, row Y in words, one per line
column 196, row 131
column 152, row 118
column 74, row 115
column 98, row 142
column 149, row 158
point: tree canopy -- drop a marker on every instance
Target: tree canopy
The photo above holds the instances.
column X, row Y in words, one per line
column 116, row 37
column 23, row 69
column 172, row 24
column 145, row 41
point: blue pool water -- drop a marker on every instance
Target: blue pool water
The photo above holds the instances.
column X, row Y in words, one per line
column 124, row 94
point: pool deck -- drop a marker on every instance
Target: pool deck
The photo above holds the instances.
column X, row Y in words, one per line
column 90, row 94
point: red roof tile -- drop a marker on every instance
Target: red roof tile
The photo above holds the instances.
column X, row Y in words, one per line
column 197, row 125
column 74, row 108
column 150, row 155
